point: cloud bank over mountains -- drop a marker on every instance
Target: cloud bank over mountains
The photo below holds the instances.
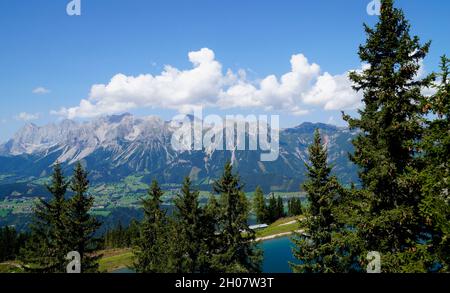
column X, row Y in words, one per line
column 207, row 84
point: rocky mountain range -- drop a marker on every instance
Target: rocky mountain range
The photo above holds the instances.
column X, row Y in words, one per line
column 113, row 147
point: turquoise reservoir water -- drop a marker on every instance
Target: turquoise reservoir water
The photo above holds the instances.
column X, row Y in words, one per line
column 277, row 254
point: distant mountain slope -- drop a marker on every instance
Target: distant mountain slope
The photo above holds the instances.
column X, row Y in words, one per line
column 114, row 147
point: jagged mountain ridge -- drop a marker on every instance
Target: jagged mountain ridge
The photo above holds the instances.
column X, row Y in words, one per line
column 113, row 147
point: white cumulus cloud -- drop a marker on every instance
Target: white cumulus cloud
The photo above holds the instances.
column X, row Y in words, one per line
column 272, row 93
column 333, row 93
column 206, row 84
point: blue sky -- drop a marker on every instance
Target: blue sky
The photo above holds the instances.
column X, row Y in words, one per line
column 49, row 61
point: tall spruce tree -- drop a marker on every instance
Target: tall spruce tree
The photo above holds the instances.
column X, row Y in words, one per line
column 151, row 253
column 120, row 237
column 435, row 206
column 272, row 209
column 49, row 242
column 275, row 209
column 280, row 208
column 316, row 252
column 259, row 206
column 132, row 233
column 81, row 224
column 191, row 229
column 294, row 207
column 390, row 125
column 236, row 251
column 7, row 243
column 10, row 243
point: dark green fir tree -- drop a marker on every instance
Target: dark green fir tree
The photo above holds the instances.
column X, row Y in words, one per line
column 82, row 225
column 192, row 231
column 435, row 205
column 152, row 247
column 259, row 206
column 294, row 207
column 272, row 209
column 390, row 125
column 236, row 250
column 314, row 248
column 280, row 208
column 10, row 243
column 49, row 242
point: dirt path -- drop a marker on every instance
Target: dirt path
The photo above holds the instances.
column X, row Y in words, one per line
column 277, row 235
column 288, row 223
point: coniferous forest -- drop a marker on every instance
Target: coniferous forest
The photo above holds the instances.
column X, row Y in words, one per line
column 399, row 209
